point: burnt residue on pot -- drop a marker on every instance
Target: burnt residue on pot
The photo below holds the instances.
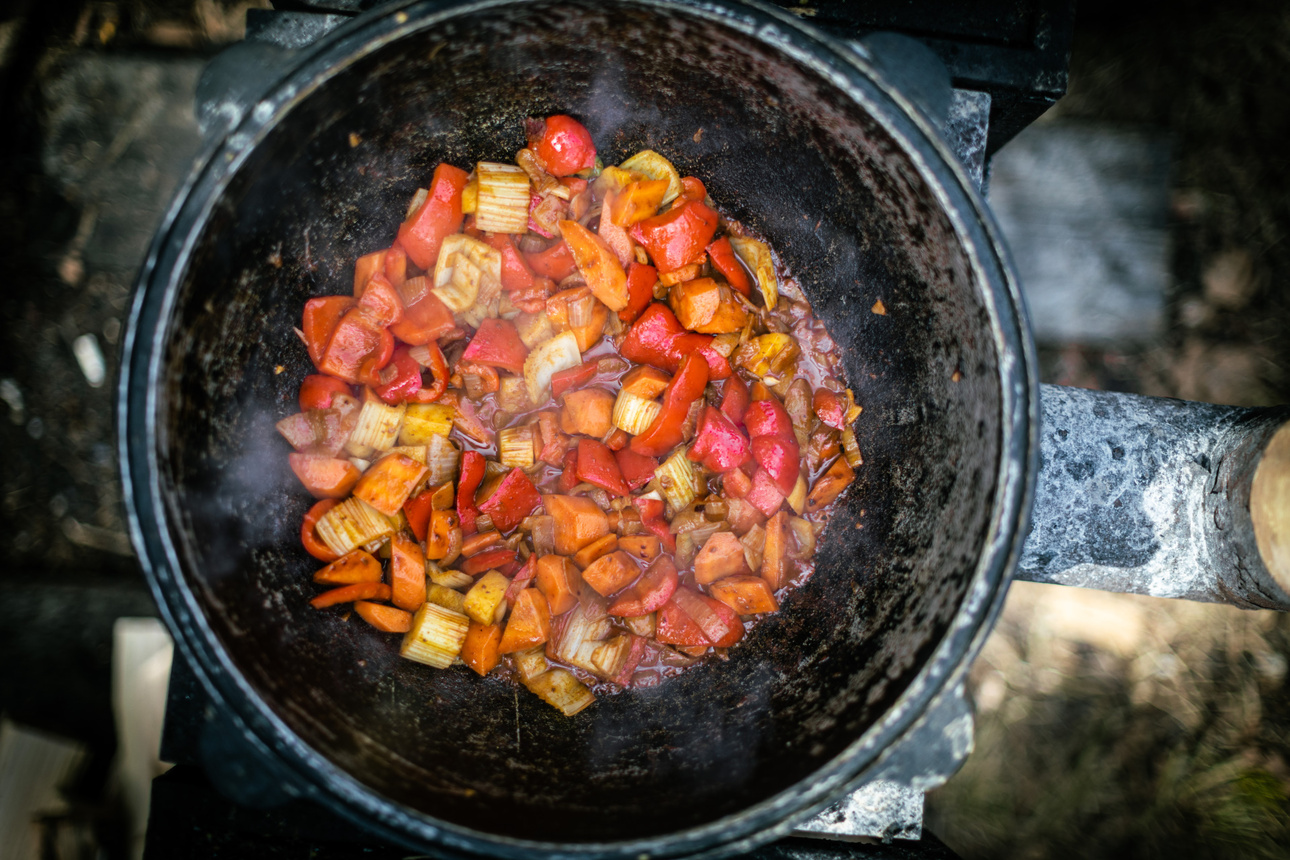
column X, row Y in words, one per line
column 782, row 151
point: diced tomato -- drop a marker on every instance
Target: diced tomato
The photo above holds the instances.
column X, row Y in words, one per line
column 724, row 261
column 718, row 444
column 637, row 469
column 565, row 146
column 308, row 535
column 319, row 321
column 596, row 465
column 438, row 217
column 513, row 500
column 555, row 262
column 764, row 494
column 317, row 390
column 780, row 458
column 768, row 418
column 651, row 591
column 677, row 237
column 676, row 627
column 497, row 344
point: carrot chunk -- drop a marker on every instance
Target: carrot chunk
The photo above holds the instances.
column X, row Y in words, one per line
column 350, row 593
column 558, row 579
column 745, row 594
column 355, row 566
column 407, row 573
column 387, row 619
column 578, row 522
column 721, row 556
column 529, row 624
column 611, row 573
column 481, row 651
column 389, row 482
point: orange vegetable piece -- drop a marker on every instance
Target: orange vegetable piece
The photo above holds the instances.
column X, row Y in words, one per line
column 705, row 306
column 529, row 624
column 595, row 550
column 721, row 556
column 645, row 381
column 611, row 573
column 480, row 650
column 439, row 537
column 558, row 579
column 354, row 566
column 615, row 237
column 407, row 573
column 578, row 522
column 598, row 264
column 350, row 593
column 745, row 594
column 324, row 477
column 776, row 567
column 477, row 543
column 643, row 547
column 388, row 483
column 830, row 485
column 588, row 411
column 637, row 201
column 681, row 275
column 387, row 619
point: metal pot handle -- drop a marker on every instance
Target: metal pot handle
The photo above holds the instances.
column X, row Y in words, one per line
column 1149, row 495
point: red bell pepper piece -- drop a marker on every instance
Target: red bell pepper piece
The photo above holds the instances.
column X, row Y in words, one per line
column 366, row 266
column 719, row 623
column 735, row 399
column 309, row 537
column 493, row 559
column 764, row 495
column 424, row 321
column 678, row 236
column 523, row 577
column 692, row 188
column 574, row 377
column 396, row 264
column 417, row 510
column 319, row 321
column 437, row 217
column 640, row 290
column 596, row 465
column 651, row 511
column 513, row 500
column 404, row 378
column 516, row 272
column 382, row 301
column 666, row 432
column 724, row 261
column 369, row 371
column 497, row 344
column 316, row 391
column 569, row 471
column 565, row 145
column 637, row 469
column 355, row 339
column 472, row 472
column 655, row 587
column 658, row 339
column 718, row 444
column 617, row 440
column 439, row 369
column 555, row 262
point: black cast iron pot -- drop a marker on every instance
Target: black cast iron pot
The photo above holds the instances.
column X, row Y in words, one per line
column 802, row 143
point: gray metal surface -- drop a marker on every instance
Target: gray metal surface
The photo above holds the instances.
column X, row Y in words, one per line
column 1149, row 496
column 1085, row 211
column 883, row 809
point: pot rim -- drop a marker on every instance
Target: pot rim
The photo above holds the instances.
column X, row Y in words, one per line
column 307, row 771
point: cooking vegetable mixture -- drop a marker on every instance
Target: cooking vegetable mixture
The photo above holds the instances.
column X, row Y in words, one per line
column 590, row 429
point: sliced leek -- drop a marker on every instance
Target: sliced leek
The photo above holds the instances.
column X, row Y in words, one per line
column 634, row 414
column 797, row 498
column 377, row 428
column 677, row 481
column 442, row 458
column 453, row 579
column 531, row 663
column 422, row 421
column 562, row 691
column 351, row 524
column 436, row 636
column 466, row 267
column 851, row 449
column 756, row 255
column 515, row 447
column 770, row 355
column 412, row 452
column 503, row 202
column 754, row 544
column 654, row 166
column 534, row 328
column 513, row 394
column 442, row 595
